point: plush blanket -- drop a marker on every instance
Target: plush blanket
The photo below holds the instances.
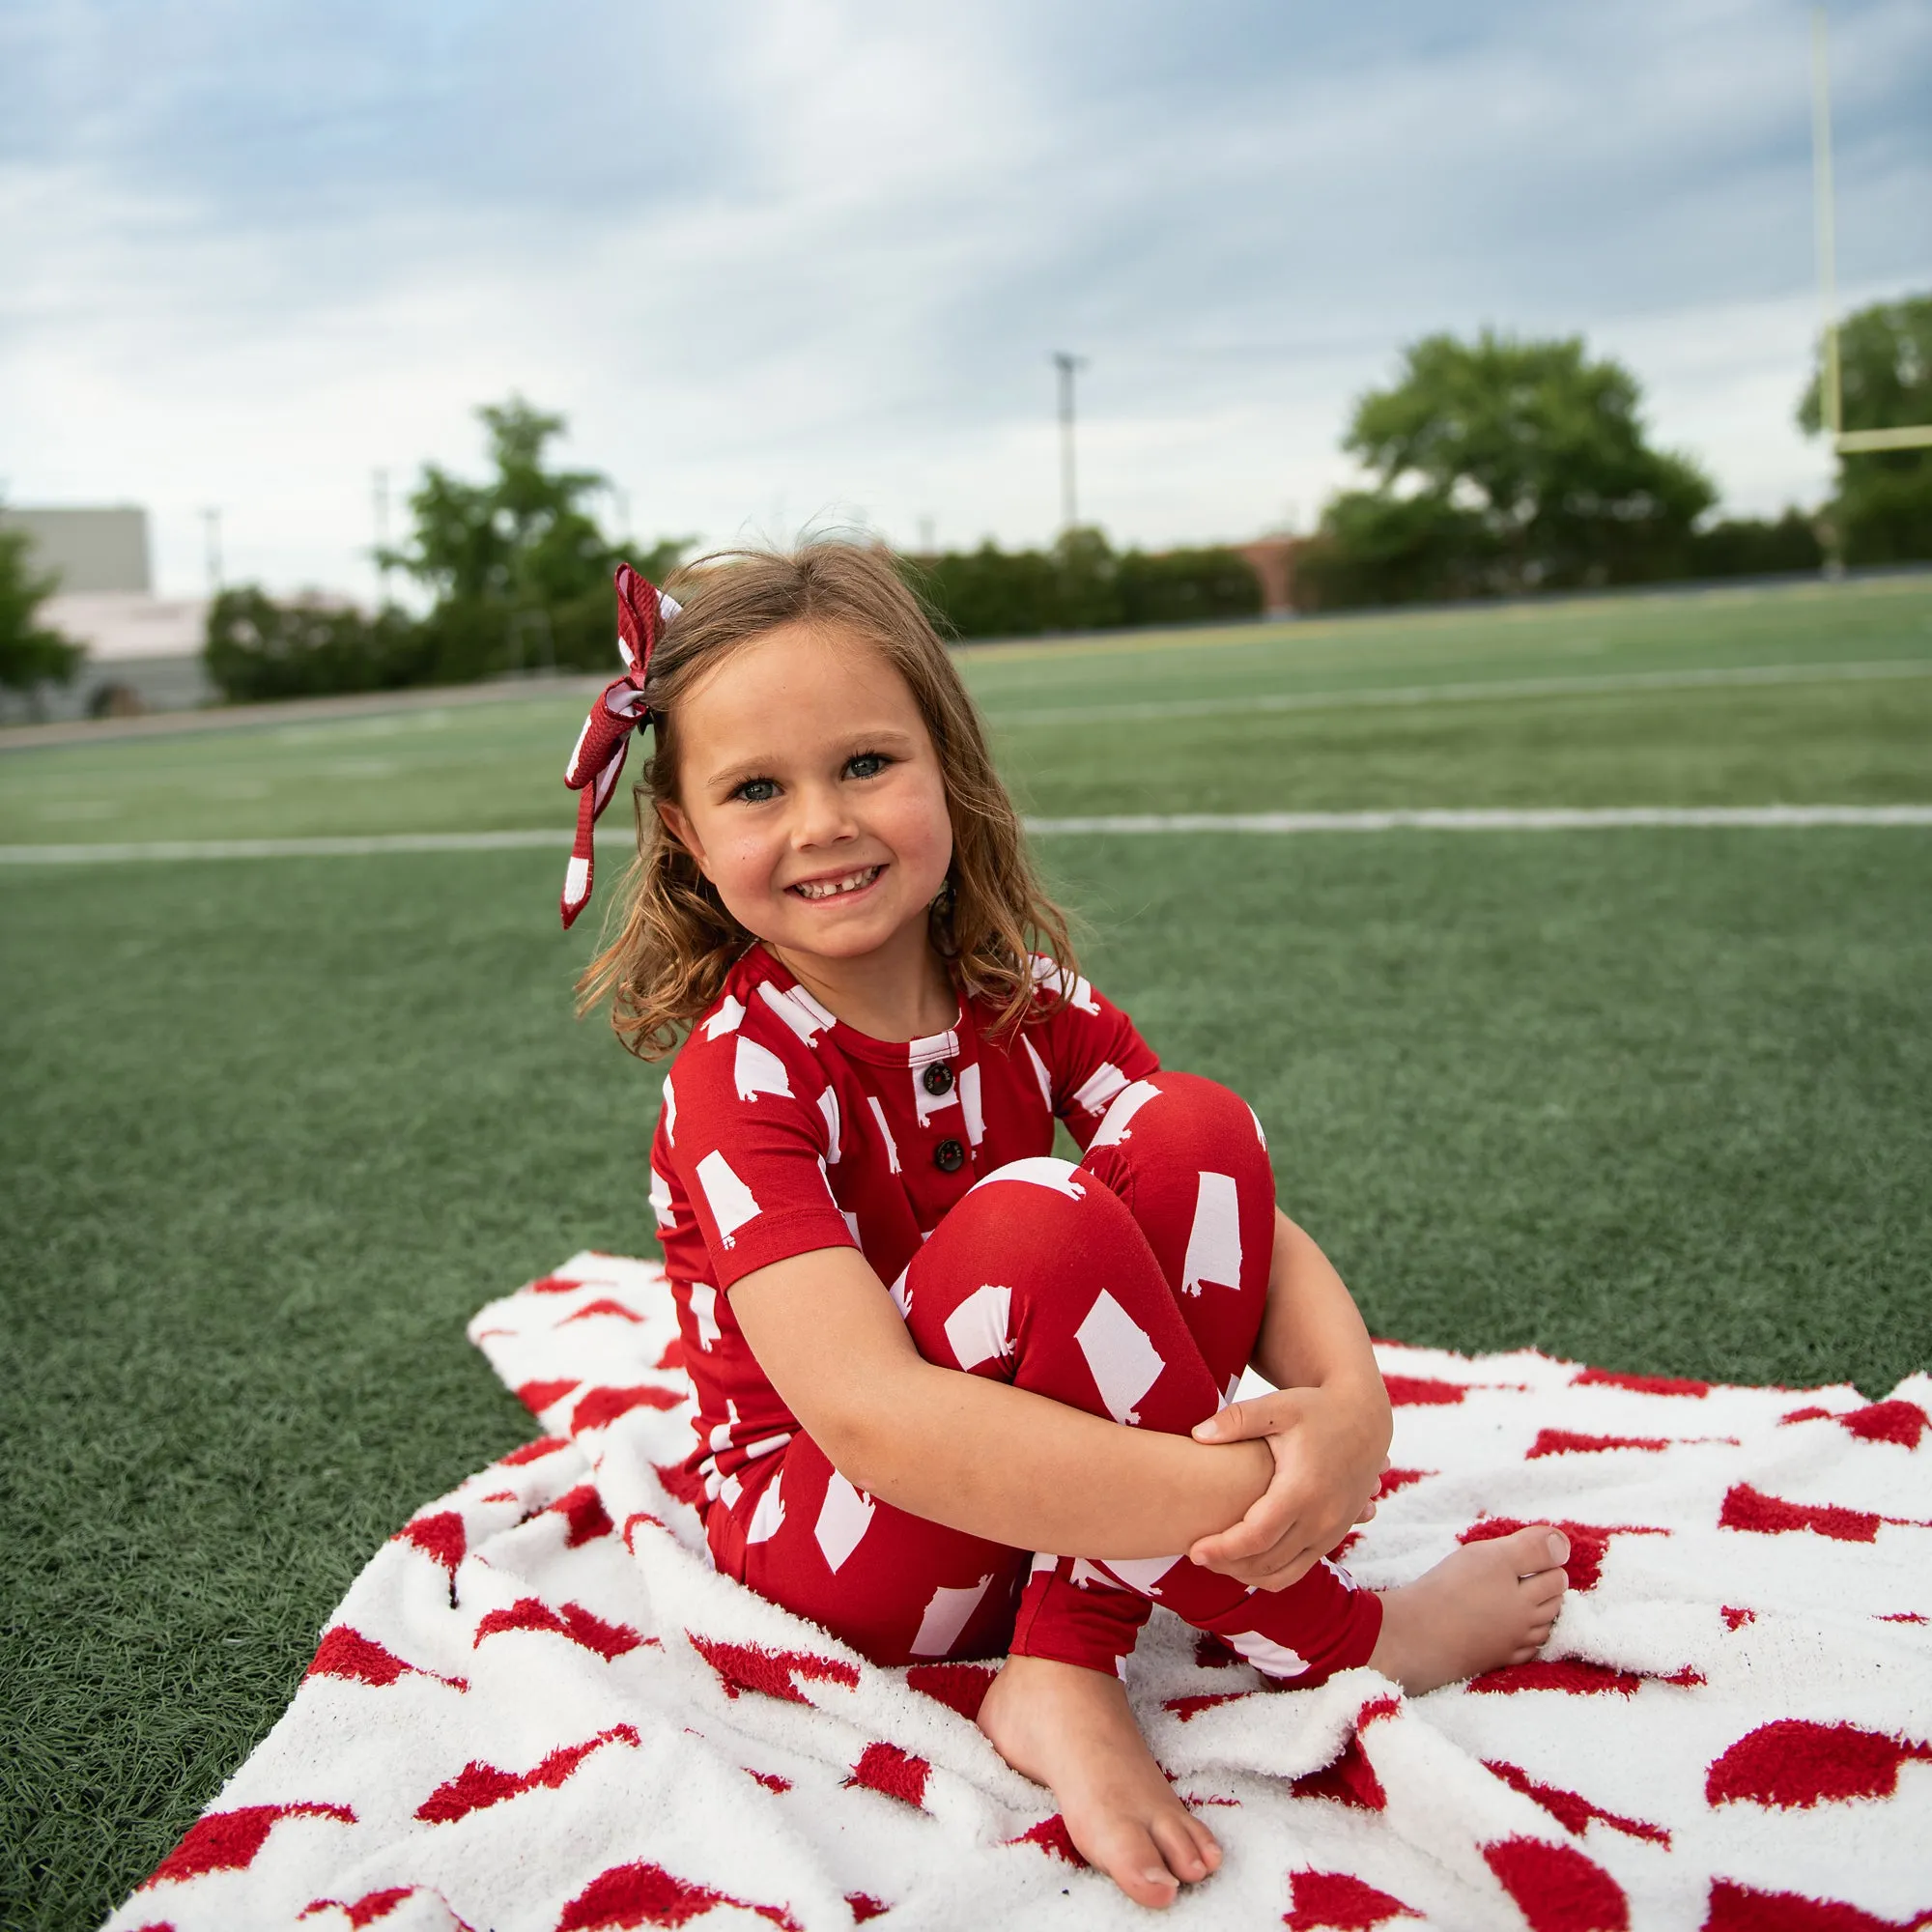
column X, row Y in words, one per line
column 539, row 1707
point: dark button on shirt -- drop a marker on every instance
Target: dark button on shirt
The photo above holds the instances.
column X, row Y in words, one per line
column 938, row 1078
column 949, row 1157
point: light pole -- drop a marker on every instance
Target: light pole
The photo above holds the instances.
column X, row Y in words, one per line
column 1069, row 499
column 380, row 501
column 211, row 519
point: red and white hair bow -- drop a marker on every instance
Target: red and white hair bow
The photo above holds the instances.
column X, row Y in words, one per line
column 621, row 707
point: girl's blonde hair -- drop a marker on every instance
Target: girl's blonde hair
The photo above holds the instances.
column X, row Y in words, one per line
column 675, row 942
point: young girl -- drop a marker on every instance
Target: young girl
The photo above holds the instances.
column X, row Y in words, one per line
column 957, row 1398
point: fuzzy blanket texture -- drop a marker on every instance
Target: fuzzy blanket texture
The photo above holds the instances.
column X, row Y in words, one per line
column 540, row 1710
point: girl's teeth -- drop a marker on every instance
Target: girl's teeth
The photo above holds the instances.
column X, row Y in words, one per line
column 831, row 888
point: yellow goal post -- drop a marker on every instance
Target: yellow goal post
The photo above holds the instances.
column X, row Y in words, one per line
column 1844, row 442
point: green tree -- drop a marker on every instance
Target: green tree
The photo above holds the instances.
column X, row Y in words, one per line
column 1881, row 512
column 31, row 653
column 518, row 565
column 1082, row 583
column 259, row 649
column 1503, row 464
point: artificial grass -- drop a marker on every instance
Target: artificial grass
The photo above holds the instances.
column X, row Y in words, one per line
column 497, row 766
column 271, row 1131
column 1660, row 1100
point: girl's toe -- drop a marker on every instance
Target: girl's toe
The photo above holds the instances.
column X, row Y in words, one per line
column 1180, row 1843
column 1133, row 1859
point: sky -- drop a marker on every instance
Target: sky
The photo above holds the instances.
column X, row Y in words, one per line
column 792, row 264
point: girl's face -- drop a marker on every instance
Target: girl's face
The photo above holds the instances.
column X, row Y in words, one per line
column 810, row 795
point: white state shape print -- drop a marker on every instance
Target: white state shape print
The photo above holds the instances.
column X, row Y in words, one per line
column 1122, row 1362
column 1088, row 1576
column 1055, row 979
column 770, row 1513
column 730, row 1010
column 756, row 1069
column 730, row 1201
column 1141, row 1573
column 1270, row 1659
column 1214, row 1242
column 660, row 1203
column 843, row 1518
column 885, row 1133
column 1259, row 1132
column 851, row 1221
column 976, row 1331
column 925, row 1105
column 1038, row 1073
column 1042, row 1170
column 1121, row 1111
column 828, row 1105
column 576, row 875
column 900, row 1291
column 798, row 1009
column 969, row 1104
column 1099, row 1087
column 704, row 1312
column 670, row 1112
column 945, row 1618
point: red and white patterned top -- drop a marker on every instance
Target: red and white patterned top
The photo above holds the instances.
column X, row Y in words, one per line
column 785, row 1130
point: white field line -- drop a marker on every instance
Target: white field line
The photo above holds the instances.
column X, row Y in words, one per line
column 1555, row 818
column 1154, row 709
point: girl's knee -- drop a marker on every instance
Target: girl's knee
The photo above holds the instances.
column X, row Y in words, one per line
column 1186, row 1156
column 1181, row 1118
column 1032, row 1228
column 1042, row 1199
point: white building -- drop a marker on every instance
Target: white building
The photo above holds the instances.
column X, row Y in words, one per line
column 143, row 651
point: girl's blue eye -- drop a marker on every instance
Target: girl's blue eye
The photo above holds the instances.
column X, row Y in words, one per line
column 866, row 765
column 758, row 791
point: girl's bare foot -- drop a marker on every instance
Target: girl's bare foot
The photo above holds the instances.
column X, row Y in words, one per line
column 1490, row 1604
column 1070, row 1729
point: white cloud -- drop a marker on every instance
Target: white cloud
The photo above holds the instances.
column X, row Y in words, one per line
column 812, row 268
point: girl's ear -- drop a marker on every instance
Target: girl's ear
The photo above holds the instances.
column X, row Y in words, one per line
column 677, row 822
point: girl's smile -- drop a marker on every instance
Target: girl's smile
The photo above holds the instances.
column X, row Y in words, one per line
column 840, row 885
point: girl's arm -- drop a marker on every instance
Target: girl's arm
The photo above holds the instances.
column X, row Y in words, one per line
column 979, row 1456
column 1328, row 1423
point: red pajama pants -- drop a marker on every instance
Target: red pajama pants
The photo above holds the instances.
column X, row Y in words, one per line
column 1132, row 1287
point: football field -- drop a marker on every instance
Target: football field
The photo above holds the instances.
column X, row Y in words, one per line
column 273, row 1126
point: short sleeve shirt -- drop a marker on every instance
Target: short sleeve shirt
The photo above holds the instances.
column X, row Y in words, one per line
column 785, row 1130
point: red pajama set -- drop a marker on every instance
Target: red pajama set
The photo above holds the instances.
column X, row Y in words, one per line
column 1131, row 1286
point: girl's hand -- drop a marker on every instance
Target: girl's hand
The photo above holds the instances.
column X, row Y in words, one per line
column 1328, row 1466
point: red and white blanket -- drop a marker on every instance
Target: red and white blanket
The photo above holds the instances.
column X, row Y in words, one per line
column 539, row 1709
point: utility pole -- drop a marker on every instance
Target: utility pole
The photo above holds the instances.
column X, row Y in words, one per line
column 380, row 494
column 1069, row 499
column 211, row 521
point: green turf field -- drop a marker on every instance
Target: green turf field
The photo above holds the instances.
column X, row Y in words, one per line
column 272, row 1130
column 1243, row 719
